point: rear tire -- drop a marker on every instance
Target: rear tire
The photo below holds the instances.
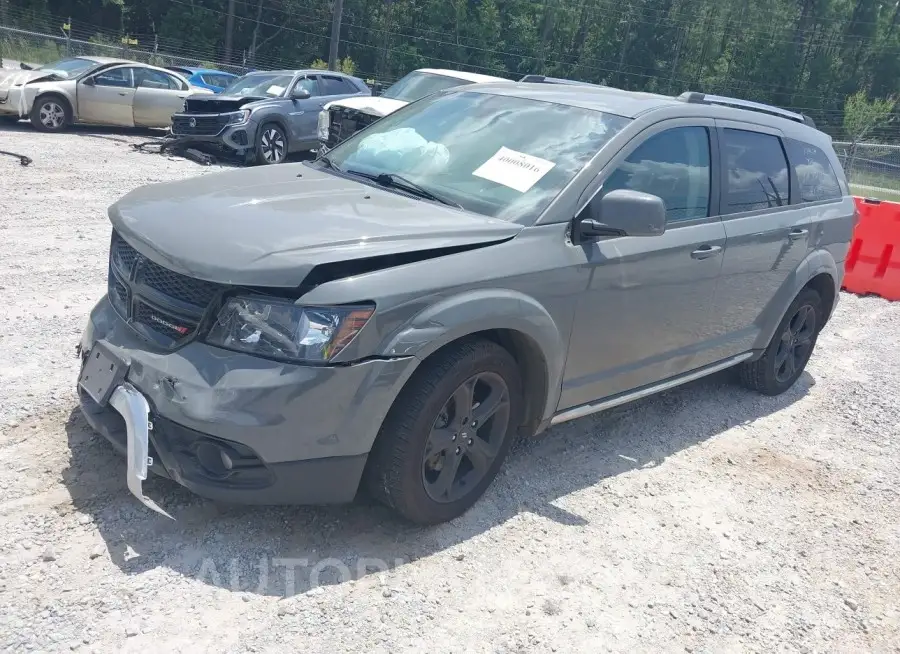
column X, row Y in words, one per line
column 431, row 463
column 51, row 113
column 788, row 352
column 271, row 144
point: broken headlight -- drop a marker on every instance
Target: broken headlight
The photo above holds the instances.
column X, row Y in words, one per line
column 322, row 125
column 279, row 329
column 239, row 117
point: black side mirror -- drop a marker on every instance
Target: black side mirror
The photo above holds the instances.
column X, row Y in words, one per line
column 300, row 94
column 89, row 81
column 621, row 213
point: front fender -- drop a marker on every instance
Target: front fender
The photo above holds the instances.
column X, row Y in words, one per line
column 483, row 310
column 816, row 263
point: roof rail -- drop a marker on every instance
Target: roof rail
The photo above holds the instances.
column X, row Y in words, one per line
column 543, row 79
column 702, row 98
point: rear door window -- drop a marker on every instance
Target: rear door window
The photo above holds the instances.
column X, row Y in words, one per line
column 815, row 176
column 335, row 85
column 757, row 172
column 673, row 165
column 154, row 79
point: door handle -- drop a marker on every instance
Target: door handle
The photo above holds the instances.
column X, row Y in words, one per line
column 123, row 93
column 798, row 233
column 706, row 251
column 182, row 96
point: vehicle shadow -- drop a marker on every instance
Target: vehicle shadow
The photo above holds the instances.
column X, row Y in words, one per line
column 283, row 551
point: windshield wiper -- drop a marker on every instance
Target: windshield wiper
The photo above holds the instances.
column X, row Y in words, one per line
column 399, row 182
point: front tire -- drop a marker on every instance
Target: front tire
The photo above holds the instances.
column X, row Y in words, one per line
column 447, row 434
column 788, row 352
column 51, row 113
column 271, row 145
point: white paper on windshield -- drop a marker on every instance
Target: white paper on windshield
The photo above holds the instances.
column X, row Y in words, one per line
column 275, row 90
column 516, row 170
column 246, row 90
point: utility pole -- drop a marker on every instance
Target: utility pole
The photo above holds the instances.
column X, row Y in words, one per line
column 333, row 63
column 229, row 31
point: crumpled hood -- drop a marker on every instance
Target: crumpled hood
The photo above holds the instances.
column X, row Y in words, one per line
column 271, row 225
column 372, row 105
column 207, row 102
column 14, row 78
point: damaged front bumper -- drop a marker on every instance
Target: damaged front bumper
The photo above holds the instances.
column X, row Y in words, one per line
column 215, row 130
column 229, row 426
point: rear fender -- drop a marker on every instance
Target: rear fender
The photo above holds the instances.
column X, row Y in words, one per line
column 817, row 262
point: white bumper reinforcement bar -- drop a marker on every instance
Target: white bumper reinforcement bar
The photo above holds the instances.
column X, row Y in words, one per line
column 128, row 401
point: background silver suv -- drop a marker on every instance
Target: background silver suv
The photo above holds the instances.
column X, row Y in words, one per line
column 481, row 264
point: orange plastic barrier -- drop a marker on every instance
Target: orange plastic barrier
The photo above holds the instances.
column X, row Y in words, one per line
column 873, row 262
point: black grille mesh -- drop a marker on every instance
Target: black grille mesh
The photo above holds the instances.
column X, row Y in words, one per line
column 175, row 295
column 118, row 293
column 181, row 287
column 203, row 126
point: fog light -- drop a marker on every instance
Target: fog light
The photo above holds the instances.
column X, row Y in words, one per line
column 213, row 458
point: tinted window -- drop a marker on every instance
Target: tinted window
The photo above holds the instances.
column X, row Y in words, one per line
column 154, row 79
column 335, row 86
column 417, row 85
column 216, row 80
column 815, row 175
column 121, row 77
column 757, row 172
column 673, row 165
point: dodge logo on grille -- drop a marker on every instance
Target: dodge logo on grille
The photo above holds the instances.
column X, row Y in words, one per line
column 192, row 122
column 172, row 326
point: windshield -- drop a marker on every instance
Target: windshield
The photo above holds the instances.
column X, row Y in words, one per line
column 259, row 85
column 417, row 85
column 500, row 156
column 69, row 67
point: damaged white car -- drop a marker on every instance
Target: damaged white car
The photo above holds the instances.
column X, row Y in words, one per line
column 93, row 90
column 341, row 119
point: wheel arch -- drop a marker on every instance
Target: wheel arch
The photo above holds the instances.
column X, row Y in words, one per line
column 277, row 119
column 56, row 94
column 514, row 321
column 818, row 271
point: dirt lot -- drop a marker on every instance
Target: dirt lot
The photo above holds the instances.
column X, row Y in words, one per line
column 709, row 519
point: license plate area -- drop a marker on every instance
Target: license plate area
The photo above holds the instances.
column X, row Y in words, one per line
column 102, row 372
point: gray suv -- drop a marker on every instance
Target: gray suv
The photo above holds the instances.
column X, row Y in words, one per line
column 264, row 116
column 482, row 264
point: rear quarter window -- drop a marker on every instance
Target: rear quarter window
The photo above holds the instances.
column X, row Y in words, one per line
column 815, row 175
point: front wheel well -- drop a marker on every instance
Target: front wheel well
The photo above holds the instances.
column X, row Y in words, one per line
column 532, row 367
column 54, row 94
column 823, row 284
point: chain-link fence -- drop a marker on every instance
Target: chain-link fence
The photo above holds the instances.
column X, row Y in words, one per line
column 873, row 169
column 35, row 47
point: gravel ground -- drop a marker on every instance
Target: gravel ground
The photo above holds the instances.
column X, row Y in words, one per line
column 708, row 519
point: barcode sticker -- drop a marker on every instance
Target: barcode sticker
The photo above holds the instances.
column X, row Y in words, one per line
column 516, row 170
